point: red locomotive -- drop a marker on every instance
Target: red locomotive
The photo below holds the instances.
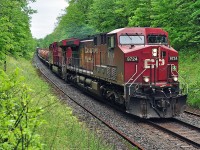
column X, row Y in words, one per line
column 132, row 67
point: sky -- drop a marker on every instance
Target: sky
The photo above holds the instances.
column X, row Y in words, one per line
column 43, row 22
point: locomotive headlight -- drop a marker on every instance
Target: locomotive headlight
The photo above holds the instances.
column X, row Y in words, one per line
column 175, row 79
column 146, row 79
column 154, row 52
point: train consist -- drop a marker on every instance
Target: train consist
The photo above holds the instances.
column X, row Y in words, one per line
column 134, row 68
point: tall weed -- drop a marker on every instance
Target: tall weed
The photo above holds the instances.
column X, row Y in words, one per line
column 18, row 120
column 189, row 64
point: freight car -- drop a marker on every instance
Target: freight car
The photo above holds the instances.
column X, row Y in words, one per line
column 44, row 55
column 135, row 68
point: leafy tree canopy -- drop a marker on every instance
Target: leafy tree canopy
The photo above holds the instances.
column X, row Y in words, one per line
column 15, row 34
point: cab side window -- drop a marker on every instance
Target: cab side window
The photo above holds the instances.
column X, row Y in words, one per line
column 163, row 54
column 111, row 41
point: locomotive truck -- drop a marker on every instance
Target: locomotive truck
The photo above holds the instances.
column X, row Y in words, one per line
column 135, row 68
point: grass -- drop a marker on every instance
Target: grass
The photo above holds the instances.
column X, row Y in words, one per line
column 189, row 69
column 60, row 128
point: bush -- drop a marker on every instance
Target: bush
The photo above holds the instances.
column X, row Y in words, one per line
column 18, row 121
column 190, row 70
column 60, row 129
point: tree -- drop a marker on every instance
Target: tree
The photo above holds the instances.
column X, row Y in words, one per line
column 142, row 14
column 177, row 23
column 18, row 120
column 101, row 15
column 195, row 23
column 15, row 34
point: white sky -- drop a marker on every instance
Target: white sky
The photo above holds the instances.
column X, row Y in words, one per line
column 43, row 22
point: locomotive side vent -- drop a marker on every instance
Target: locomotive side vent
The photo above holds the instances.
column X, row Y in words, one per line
column 108, row 72
column 112, row 73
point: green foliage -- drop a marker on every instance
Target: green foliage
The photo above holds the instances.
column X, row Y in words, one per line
column 80, row 31
column 142, row 14
column 107, row 15
column 123, row 10
column 190, row 70
column 195, row 23
column 60, row 129
column 179, row 23
column 101, row 15
column 18, row 120
column 15, row 34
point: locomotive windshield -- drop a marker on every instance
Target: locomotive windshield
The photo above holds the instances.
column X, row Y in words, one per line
column 157, row 39
column 131, row 39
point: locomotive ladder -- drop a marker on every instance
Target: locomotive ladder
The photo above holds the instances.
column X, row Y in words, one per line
column 135, row 80
column 131, row 78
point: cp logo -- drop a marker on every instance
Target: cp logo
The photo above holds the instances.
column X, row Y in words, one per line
column 150, row 63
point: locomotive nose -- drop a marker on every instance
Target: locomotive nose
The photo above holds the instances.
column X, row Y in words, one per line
column 149, row 108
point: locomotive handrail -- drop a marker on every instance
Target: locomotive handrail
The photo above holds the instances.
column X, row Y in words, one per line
column 136, row 79
column 184, row 82
column 132, row 75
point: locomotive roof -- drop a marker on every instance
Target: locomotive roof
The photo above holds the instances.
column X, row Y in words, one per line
column 139, row 30
column 72, row 42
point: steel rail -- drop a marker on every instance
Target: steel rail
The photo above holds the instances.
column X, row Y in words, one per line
column 191, row 113
column 175, row 134
column 186, row 124
column 132, row 142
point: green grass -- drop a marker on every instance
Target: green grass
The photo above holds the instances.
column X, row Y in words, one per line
column 189, row 69
column 60, row 128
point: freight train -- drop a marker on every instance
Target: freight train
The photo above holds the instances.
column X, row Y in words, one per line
column 135, row 68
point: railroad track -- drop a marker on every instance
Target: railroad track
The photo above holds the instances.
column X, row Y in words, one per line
column 192, row 113
column 121, row 134
column 177, row 128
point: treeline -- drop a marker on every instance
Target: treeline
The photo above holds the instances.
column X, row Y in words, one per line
column 15, row 34
column 181, row 18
